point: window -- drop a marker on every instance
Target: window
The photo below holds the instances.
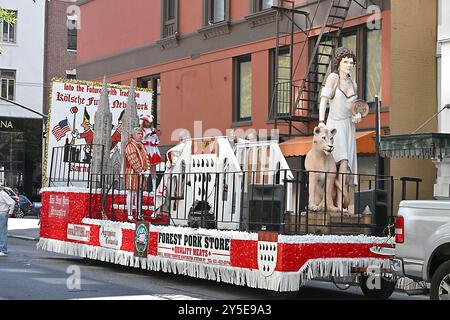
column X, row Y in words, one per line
column 8, row 84
column 366, row 44
column 153, row 82
column 71, row 76
column 170, row 9
column 243, row 89
column 71, row 33
column 373, row 65
column 9, row 29
column 260, row 5
column 216, row 11
column 169, row 18
column 349, row 41
column 282, row 80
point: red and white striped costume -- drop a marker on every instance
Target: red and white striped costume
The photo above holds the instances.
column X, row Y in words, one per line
column 136, row 162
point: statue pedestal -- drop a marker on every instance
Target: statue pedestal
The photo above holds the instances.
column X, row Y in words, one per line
column 330, row 223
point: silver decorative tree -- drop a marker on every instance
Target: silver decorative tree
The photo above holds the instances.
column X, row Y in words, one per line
column 102, row 134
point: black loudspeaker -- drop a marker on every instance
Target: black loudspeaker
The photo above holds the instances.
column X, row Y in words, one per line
column 200, row 216
column 265, row 205
column 377, row 201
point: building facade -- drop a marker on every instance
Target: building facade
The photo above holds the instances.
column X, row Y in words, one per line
column 60, row 44
column 211, row 62
column 22, row 74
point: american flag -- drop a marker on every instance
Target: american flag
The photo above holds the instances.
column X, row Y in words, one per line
column 60, row 130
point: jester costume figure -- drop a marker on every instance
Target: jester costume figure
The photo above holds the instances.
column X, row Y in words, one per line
column 135, row 164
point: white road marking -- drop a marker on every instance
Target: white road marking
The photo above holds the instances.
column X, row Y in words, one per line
column 143, row 297
column 63, row 281
column 22, row 271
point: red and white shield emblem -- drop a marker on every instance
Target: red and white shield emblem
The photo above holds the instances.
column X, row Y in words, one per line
column 267, row 252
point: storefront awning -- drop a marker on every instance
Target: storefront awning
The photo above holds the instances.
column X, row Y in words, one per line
column 421, row 146
column 300, row 146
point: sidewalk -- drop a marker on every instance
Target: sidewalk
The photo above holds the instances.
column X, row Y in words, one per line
column 26, row 228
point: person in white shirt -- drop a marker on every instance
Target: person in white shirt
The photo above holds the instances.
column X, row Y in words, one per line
column 6, row 208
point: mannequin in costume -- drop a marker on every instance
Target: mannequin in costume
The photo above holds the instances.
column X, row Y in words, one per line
column 151, row 142
column 136, row 163
column 339, row 93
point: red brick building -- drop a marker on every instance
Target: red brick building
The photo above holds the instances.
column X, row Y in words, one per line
column 213, row 60
column 61, row 44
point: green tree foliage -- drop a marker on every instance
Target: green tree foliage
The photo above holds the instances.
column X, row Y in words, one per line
column 7, row 16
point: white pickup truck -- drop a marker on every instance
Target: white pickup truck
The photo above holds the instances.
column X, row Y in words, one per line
column 422, row 249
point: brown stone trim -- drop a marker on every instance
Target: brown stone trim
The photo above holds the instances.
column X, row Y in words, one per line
column 263, row 17
column 169, row 42
column 215, row 30
column 244, row 123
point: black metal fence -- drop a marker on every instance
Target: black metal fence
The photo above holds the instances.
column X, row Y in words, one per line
column 248, row 201
column 121, row 197
column 71, row 164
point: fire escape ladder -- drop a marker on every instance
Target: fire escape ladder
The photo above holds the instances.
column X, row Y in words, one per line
column 307, row 99
column 296, row 101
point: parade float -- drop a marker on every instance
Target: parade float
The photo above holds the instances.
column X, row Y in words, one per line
column 225, row 209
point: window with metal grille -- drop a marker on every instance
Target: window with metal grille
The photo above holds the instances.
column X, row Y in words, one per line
column 169, row 18
column 9, row 30
column 280, row 82
column 8, row 84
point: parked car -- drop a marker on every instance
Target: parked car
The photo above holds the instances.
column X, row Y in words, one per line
column 37, row 209
column 25, row 205
column 17, row 212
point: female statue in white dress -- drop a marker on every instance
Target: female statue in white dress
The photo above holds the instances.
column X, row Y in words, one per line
column 340, row 92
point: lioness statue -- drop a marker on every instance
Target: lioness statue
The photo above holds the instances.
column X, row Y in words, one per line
column 318, row 161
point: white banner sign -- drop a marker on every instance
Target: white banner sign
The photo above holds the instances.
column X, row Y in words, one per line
column 78, row 232
column 58, row 206
column 111, row 237
column 194, row 247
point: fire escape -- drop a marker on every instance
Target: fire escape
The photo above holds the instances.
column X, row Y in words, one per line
column 295, row 95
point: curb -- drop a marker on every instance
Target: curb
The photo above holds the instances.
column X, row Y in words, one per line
column 23, row 237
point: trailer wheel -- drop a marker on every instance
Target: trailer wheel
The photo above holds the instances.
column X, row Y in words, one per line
column 440, row 283
column 386, row 288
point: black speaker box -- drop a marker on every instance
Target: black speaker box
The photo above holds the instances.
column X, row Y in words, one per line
column 265, row 208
